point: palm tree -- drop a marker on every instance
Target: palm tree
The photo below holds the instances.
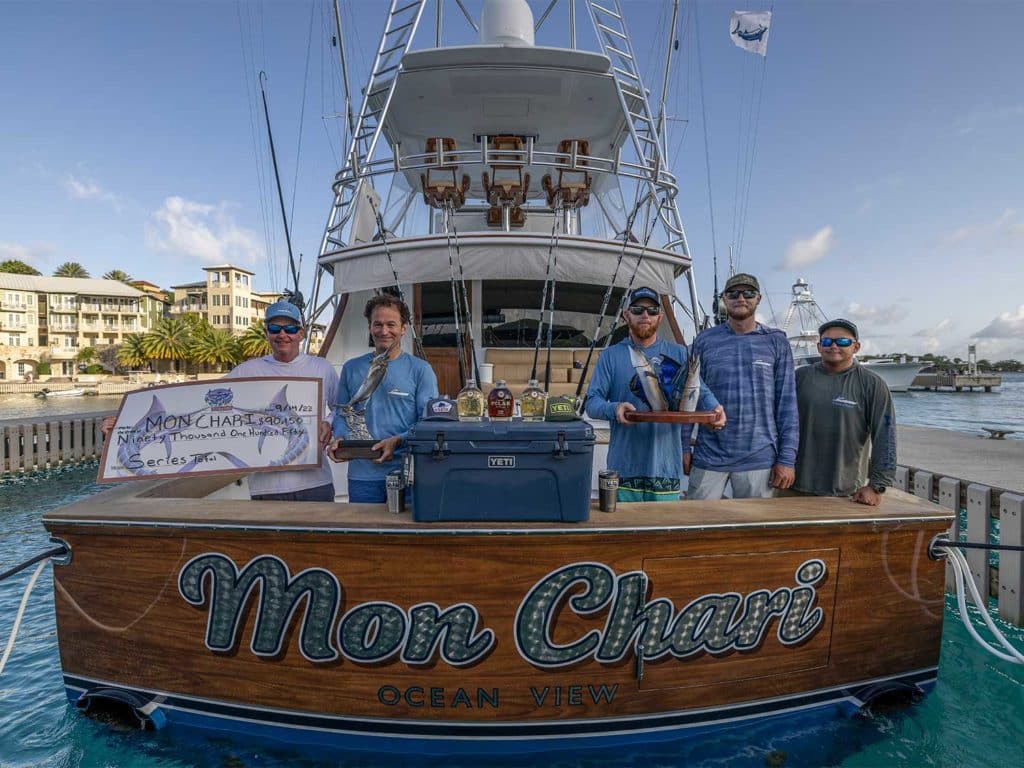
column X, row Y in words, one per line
column 169, row 340
column 70, row 269
column 86, row 355
column 117, row 274
column 16, row 267
column 131, row 354
column 254, row 342
column 214, row 347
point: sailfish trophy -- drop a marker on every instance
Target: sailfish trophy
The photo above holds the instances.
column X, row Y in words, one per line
column 357, row 445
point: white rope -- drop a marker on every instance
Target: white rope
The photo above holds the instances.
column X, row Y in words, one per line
column 21, row 613
column 962, row 574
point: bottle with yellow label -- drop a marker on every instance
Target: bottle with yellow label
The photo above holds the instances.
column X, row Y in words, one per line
column 532, row 402
column 470, row 402
column 500, row 402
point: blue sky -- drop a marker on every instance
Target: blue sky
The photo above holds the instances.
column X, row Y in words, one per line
column 888, row 168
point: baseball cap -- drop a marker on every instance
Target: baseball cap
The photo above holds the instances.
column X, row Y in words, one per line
column 283, row 309
column 742, row 278
column 644, row 293
column 441, row 409
column 839, row 322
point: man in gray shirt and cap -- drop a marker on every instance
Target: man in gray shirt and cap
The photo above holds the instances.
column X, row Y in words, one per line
column 844, row 407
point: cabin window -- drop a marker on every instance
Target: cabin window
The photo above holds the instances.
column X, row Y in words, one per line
column 511, row 313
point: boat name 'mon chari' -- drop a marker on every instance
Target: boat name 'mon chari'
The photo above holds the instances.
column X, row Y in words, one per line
column 374, row 632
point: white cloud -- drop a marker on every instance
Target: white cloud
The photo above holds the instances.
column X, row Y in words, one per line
column 875, row 316
column 31, row 253
column 802, row 253
column 1006, row 228
column 88, row 189
column 202, row 231
column 943, row 326
column 1008, row 325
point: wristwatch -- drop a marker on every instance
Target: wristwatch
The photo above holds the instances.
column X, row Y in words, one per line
column 878, row 488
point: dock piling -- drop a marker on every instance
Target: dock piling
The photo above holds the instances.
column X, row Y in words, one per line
column 1011, row 531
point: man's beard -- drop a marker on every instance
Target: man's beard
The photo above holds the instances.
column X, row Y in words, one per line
column 644, row 332
column 740, row 313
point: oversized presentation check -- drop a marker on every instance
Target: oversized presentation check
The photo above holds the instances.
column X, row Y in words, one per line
column 210, row 427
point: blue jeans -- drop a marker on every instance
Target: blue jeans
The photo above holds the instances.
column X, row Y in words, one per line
column 320, row 493
column 367, row 491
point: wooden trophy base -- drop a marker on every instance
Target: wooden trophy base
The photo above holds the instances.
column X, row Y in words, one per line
column 671, row 417
column 356, row 449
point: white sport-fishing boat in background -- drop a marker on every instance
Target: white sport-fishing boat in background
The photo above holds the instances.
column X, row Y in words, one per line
column 801, row 322
column 505, row 613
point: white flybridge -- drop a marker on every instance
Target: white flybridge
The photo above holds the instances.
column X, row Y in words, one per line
column 804, row 316
column 519, row 161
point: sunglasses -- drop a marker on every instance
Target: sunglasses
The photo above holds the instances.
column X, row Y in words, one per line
column 291, row 329
column 734, row 294
column 639, row 311
column 843, row 342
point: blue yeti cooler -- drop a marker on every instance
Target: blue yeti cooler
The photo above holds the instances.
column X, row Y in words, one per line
column 501, row 470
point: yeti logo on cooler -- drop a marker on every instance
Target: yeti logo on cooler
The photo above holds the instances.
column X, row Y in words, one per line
column 501, row 462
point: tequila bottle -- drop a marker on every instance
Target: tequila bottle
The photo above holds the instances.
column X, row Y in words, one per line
column 470, row 402
column 500, row 401
column 532, row 402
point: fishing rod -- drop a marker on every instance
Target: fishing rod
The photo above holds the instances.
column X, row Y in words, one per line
column 417, row 345
column 296, row 295
column 632, row 277
column 450, row 221
column 544, row 295
column 456, row 304
column 608, row 292
column 551, row 318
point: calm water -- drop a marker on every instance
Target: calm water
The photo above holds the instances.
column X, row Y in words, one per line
column 973, row 717
column 16, row 406
column 966, row 411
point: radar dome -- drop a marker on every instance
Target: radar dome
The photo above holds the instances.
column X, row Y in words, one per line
column 506, row 22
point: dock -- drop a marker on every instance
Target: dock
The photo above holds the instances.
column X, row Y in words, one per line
column 957, row 382
column 998, row 464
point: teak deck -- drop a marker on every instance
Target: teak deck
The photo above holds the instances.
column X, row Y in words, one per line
column 462, row 624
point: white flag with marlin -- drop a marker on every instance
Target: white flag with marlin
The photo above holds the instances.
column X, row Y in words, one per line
column 749, row 30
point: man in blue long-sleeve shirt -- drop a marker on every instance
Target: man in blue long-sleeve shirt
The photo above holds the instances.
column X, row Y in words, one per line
column 396, row 404
column 647, row 456
column 749, row 368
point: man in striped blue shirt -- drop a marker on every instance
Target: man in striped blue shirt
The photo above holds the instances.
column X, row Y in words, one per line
column 749, row 368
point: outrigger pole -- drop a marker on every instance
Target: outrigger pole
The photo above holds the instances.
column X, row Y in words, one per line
column 294, row 296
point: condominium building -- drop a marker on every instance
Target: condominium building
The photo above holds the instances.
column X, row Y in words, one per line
column 226, row 298
column 50, row 319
